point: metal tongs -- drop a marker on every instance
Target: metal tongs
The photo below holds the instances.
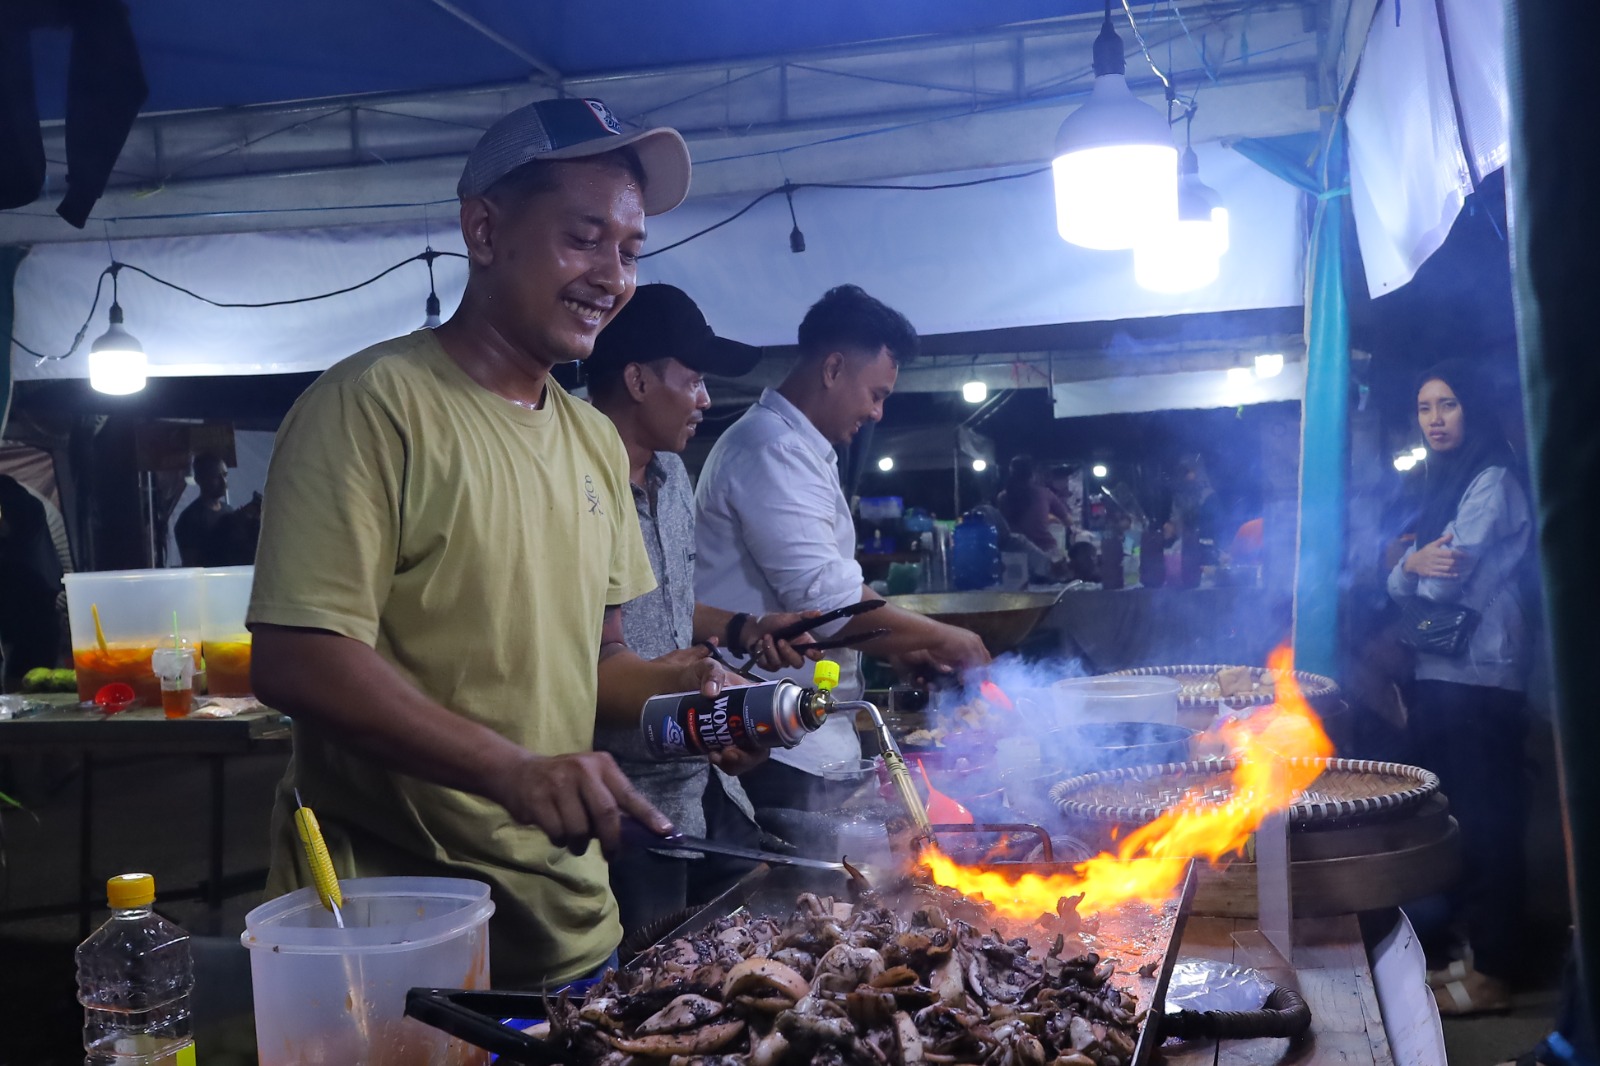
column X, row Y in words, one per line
column 806, row 625
column 636, row 835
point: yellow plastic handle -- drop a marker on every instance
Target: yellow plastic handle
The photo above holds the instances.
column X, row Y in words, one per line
column 322, row 875
column 825, row 675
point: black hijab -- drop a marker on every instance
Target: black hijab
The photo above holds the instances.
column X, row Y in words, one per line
column 1485, row 445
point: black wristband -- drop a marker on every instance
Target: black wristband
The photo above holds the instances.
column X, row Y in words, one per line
column 733, row 636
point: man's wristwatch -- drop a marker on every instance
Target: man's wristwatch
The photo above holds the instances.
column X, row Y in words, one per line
column 733, row 636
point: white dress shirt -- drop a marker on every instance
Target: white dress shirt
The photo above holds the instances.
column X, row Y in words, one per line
column 773, row 533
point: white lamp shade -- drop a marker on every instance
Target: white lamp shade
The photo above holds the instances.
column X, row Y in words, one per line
column 1182, row 257
column 117, row 371
column 117, row 363
column 1116, row 169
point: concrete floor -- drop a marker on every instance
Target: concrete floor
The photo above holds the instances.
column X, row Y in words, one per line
column 153, row 816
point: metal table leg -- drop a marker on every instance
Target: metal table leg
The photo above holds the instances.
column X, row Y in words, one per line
column 218, row 839
column 87, row 896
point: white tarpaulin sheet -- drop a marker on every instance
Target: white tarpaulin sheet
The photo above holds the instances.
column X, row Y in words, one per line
column 1412, row 164
column 1189, row 390
column 982, row 257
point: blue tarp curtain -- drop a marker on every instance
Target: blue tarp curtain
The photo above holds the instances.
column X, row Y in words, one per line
column 1317, row 165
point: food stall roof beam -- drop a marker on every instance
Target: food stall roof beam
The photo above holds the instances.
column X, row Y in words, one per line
column 550, row 74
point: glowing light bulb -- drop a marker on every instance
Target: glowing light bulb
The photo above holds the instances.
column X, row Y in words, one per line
column 117, row 362
column 979, row 466
column 886, row 464
column 1115, row 166
column 1269, row 365
column 1100, row 471
column 974, row 391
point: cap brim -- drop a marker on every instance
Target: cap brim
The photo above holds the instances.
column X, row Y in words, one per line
column 723, row 358
column 663, row 154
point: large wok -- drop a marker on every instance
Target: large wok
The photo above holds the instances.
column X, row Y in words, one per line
column 1002, row 619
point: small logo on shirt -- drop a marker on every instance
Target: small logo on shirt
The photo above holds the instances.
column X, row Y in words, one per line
column 594, row 498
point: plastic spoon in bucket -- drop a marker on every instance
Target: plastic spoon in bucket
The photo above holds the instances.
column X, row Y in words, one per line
column 322, row 875
column 327, row 885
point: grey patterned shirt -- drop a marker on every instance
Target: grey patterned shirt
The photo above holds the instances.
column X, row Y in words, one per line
column 659, row 622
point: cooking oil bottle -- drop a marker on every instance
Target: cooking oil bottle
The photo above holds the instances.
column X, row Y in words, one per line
column 135, row 974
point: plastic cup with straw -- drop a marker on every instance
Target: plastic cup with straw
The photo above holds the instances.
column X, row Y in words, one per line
column 174, row 668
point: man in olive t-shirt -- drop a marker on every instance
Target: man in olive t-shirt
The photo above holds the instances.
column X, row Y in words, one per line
column 446, row 539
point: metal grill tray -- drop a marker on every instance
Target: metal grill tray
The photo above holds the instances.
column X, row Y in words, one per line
column 474, row 1016
column 1348, row 789
column 1319, row 691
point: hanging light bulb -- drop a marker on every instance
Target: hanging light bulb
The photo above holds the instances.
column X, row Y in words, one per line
column 979, row 466
column 1115, row 162
column 1185, row 255
column 117, row 361
column 974, row 391
column 886, row 464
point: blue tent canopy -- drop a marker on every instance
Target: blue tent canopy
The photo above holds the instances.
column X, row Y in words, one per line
column 201, row 54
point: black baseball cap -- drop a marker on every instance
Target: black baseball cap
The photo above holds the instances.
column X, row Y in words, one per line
column 575, row 128
column 662, row 322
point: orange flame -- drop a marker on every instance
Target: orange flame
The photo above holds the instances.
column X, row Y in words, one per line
column 1275, row 748
column 996, row 695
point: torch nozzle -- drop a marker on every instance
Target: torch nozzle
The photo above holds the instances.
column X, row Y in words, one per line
column 893, row 762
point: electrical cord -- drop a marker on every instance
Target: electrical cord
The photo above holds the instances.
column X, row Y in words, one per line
column 790, row 188
column 427, row 256
column 77, row 338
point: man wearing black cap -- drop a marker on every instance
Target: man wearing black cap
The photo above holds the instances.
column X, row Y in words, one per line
column 446, row 541
column 647, row 375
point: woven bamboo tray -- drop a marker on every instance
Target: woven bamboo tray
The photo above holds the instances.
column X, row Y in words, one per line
column 1347, row 789
column 1198, row 693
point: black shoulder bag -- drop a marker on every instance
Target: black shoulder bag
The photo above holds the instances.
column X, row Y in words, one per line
column 1436, row 628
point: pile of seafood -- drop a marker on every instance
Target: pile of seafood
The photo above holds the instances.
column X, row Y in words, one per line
column 843, row 982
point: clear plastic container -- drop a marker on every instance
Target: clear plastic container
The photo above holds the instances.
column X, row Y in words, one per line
column 330, row 995
column 135, row 975
column 225, row 593
column 136, row 609
column 1082, row 700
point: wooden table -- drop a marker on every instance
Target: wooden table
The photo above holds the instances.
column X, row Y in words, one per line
column 141, row 732
column 1331, row 972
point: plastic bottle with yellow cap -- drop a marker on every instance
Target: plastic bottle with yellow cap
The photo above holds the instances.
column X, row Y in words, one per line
column 135, row 976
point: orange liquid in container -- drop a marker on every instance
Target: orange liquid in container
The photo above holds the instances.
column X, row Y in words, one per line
column 177, row 703
column 228, row 667
column 129, row 663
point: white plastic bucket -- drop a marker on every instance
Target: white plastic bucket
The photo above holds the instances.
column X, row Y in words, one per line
column 1084, row 700
column 324, row 994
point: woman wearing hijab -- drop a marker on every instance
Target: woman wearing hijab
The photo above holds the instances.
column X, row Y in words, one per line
column 1468, row 713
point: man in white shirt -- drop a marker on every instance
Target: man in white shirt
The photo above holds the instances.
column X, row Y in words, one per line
column 773, row 527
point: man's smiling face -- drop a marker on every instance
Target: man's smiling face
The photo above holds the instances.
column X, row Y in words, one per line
column 564, row 260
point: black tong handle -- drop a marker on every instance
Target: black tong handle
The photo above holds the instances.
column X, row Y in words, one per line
column 806, row 625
